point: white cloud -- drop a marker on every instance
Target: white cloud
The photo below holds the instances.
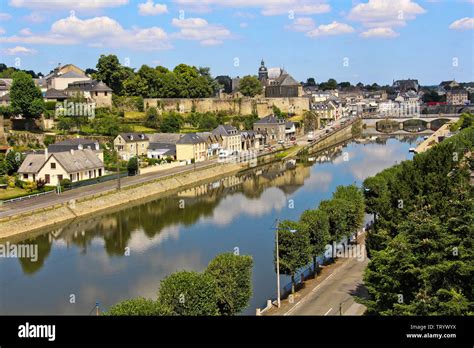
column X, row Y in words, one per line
column 466, row 23
column 150, row 9
column 5, row 16
column 334, row 28
column 269, row 7
column 244, row 25
column 67, row 4
column 379, row 33
column 18, row 50
column 26, row 31
column 35, row 17
column 385, row 13
column 199, row 29
column 97, row 32
column 302, row 24
column 2, row 31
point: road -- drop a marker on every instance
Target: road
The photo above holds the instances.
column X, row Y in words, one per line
column 338, row 285
column 27, row 205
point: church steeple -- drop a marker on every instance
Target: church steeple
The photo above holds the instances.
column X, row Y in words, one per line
column 263, row 71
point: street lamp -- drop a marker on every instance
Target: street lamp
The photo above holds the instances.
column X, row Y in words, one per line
column 277, row 228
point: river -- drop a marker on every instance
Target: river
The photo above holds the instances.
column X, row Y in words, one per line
column 125, row 253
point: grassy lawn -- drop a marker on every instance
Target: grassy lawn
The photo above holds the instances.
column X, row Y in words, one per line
column 11, row 192
column 134, row 115
column 141, row 129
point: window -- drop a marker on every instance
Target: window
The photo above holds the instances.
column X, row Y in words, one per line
column 105, row 93
column 53, row 165
column 25, row 176
column 60, row 177
column 96, row 94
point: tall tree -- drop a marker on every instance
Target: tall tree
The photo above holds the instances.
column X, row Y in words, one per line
column 112, row 73
column 250, row 86
column 317, row 227
column 189, row 293
column 26, row 98
column 233, row 275
column 293, row 247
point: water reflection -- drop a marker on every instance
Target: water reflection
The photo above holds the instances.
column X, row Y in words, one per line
column 126, row 253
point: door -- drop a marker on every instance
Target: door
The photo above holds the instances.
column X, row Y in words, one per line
column 46, row 178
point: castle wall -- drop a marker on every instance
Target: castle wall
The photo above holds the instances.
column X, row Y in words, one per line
column 241, row 106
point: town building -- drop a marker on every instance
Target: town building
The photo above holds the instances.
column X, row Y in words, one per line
column 75, row 165
column 406, row 85
column 93, row 91
column 191, row 148
column 62, row 76
column 251, row 140
column 161, row 151
column 214, row 143
column 273, row 127
column 231, row 137
column 329, row 110
column 277, row 83
column 445, row 86
column 457, row 96
column 130, row 145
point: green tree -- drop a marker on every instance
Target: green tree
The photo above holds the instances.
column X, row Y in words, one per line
column 189, row 293
column 233, row 275
column 112, row 73
column 138, row 307
column 132, row 166
column 26, row 98
column 293, row 247
column 317, row 227
column 171, row 123
column 250, row 86
column 153, row 119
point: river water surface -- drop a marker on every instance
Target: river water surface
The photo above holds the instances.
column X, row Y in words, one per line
column 125, row 253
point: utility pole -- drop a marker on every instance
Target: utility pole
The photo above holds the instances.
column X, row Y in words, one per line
column 278, row 264
column 119, row 184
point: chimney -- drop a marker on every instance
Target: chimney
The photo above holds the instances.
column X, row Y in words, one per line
column 97, row 147
column 46, row 155
column 72, row 152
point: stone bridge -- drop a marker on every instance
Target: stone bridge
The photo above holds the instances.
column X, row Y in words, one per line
column 409, row 124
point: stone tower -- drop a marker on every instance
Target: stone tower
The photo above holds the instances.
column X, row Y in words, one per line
column 262, row 72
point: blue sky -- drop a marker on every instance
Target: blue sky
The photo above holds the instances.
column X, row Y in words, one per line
column 367, row 40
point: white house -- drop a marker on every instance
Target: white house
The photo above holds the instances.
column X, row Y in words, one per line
column 75, row 165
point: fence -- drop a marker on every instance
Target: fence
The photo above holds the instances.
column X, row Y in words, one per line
column 26, row 197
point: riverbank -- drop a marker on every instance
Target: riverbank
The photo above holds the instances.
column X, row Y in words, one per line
column 55, row 213
column 23, row 224
column 434, row 138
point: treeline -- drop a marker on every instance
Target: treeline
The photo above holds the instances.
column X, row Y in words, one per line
column 300, row 242
column 7, row 72
column 421, row 242
column 224, row 288
column 184, row 81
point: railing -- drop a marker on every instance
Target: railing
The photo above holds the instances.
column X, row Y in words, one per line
column 26, row 197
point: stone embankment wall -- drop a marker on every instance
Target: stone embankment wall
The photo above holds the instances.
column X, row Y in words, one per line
column 238, row 106
column 26, row 223
column 337, row 137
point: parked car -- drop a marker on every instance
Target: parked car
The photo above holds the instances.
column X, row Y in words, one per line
column 281, row 142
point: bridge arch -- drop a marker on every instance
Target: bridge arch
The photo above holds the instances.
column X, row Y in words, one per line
column 414, row 125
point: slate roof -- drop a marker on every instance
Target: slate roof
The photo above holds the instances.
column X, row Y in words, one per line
column 168, row 149
column 133, row 137
column 79, row 161
column 225, row 130
column 89, row 86
column 270, row 119
column 32, row 163
column 170, row 138
column 191, row 138
column 72, row 144
column 55, row 94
